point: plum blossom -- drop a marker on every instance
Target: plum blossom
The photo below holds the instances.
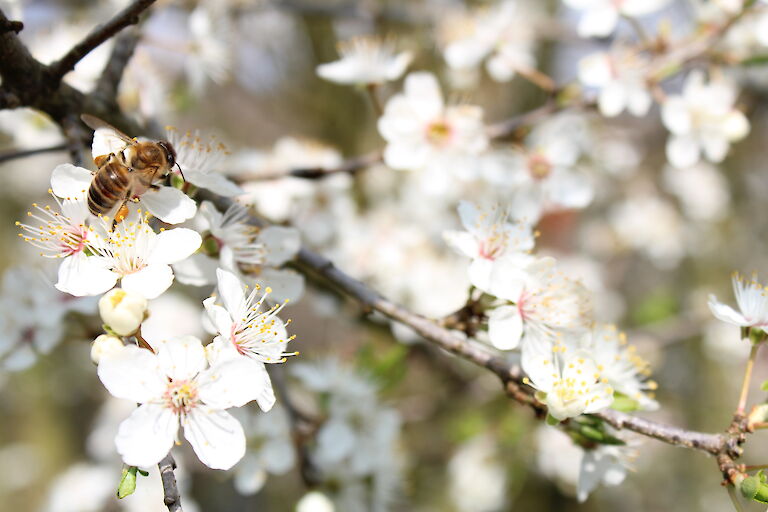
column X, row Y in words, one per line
column 32, row 317
column 626, row 371
column 199, row 161
column 490, row 235
column 132, row 253
column 568, row 381
column 366, row 60
column 242, row 325
column 270, row 449
column 232, row 243
column 478, row 476
column 752, row 300
column 423, row 133
column 537, row 302
column 601, row 16
column 604, row 464
column 175, row 387
column 703, row 119
column 620, row 76
column 496, row 34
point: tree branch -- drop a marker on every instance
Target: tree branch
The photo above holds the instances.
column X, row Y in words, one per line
column 126, row 17
column 7, row 156
column 122, row 51
column 172, row 498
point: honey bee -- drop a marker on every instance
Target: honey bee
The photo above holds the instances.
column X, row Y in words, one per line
column 126, row 170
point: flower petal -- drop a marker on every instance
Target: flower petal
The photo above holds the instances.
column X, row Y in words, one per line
column 174, row 245
column 234, row 383
column 505, row 327
column 70, row 182
column 281, row 244
column 147, row 435
column 169, row 204
column 216, row 436
column 232, row 294
column 725, row 312
column 81, row 275
column 197, row 270
column 149, row 282
column 132, row 373
column 182, row 357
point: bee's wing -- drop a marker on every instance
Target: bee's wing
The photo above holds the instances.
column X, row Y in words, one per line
column 106, row 138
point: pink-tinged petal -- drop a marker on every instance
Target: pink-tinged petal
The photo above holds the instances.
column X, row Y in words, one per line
column 149, row 282
column 132, row 373
column 147, row 435
column 70, row 182
column 169, row 205
column 234, row 383
column 216, row 436
column 174, row 245
column 725, row 312
column 231, row 293
column 182, row 357
column 462, row 242
column 219, row 317
column 505, row 327
column 82, row 275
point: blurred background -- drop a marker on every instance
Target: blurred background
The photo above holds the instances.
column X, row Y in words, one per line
column 654, row 241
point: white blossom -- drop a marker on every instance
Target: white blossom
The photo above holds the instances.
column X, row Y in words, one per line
column 537, row 302
column 366, row 60
column 122, row 311
column 422, row 132
column 703, row 119
column 478, row 477
column 176, row 388
column 569, row 382
column 752, row 301
column 200, row 160
column 620, row 77
column 601, row 16
column 131, row 253
column 242, row 325
column 490, row 235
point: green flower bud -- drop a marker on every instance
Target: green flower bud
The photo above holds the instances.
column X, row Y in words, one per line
column 127, row 484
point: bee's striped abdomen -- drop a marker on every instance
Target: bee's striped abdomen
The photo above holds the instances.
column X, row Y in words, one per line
column 109, row 185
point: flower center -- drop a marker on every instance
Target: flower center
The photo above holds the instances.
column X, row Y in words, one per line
column 539, row 166
column 439, row 133
column 181, row 396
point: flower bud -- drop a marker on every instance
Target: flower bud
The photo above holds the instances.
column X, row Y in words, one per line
column 755, row 488
column 104, row 344
column 122, row 311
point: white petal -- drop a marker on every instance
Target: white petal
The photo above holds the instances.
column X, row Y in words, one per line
column 105, row 141
column 231, row 293
column 423, row 93
column 69, row 181
column 676, row 116
column 216, row 436
column 215, row 182
column 132, row 373
column 598, row 22
column 147, row 435
column 197, row 270
column 281, row 244
column 149, row 282
column 462, row 242
column 286, row 284
column 251, row 476
column 169, row 204
column 174, row 245
column 612, row 99
column 234, row 383
column 505, row 327
column 182, row 357
column 725, row 312
column 480, row 272
column 81, row 275
column 682, row 151
column 335, row 441
column 736, row 126
column 219, row 317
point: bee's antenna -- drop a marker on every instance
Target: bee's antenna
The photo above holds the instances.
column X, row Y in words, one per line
column 181, row 172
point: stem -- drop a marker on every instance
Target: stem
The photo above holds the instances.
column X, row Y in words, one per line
column 372, row 89
column 747, row 380
column 734, row 498
column 171, row 496
column 756, row 467
column 142, row 342
column 640, row 31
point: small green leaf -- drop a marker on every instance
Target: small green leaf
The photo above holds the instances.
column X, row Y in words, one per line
column 551, row 420
column 623, row 403
column 127, row 484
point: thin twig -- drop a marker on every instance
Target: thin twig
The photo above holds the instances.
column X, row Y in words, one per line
column 122, row 51
column 172, row 498
column 747, row 380
column 14, row 154
column 126, row 17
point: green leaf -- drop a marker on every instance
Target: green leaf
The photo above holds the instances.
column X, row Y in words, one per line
column 127, row 484
column 551, row 420
column 623, row 403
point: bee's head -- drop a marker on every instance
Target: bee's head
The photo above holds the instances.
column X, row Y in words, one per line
column 170, row 153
